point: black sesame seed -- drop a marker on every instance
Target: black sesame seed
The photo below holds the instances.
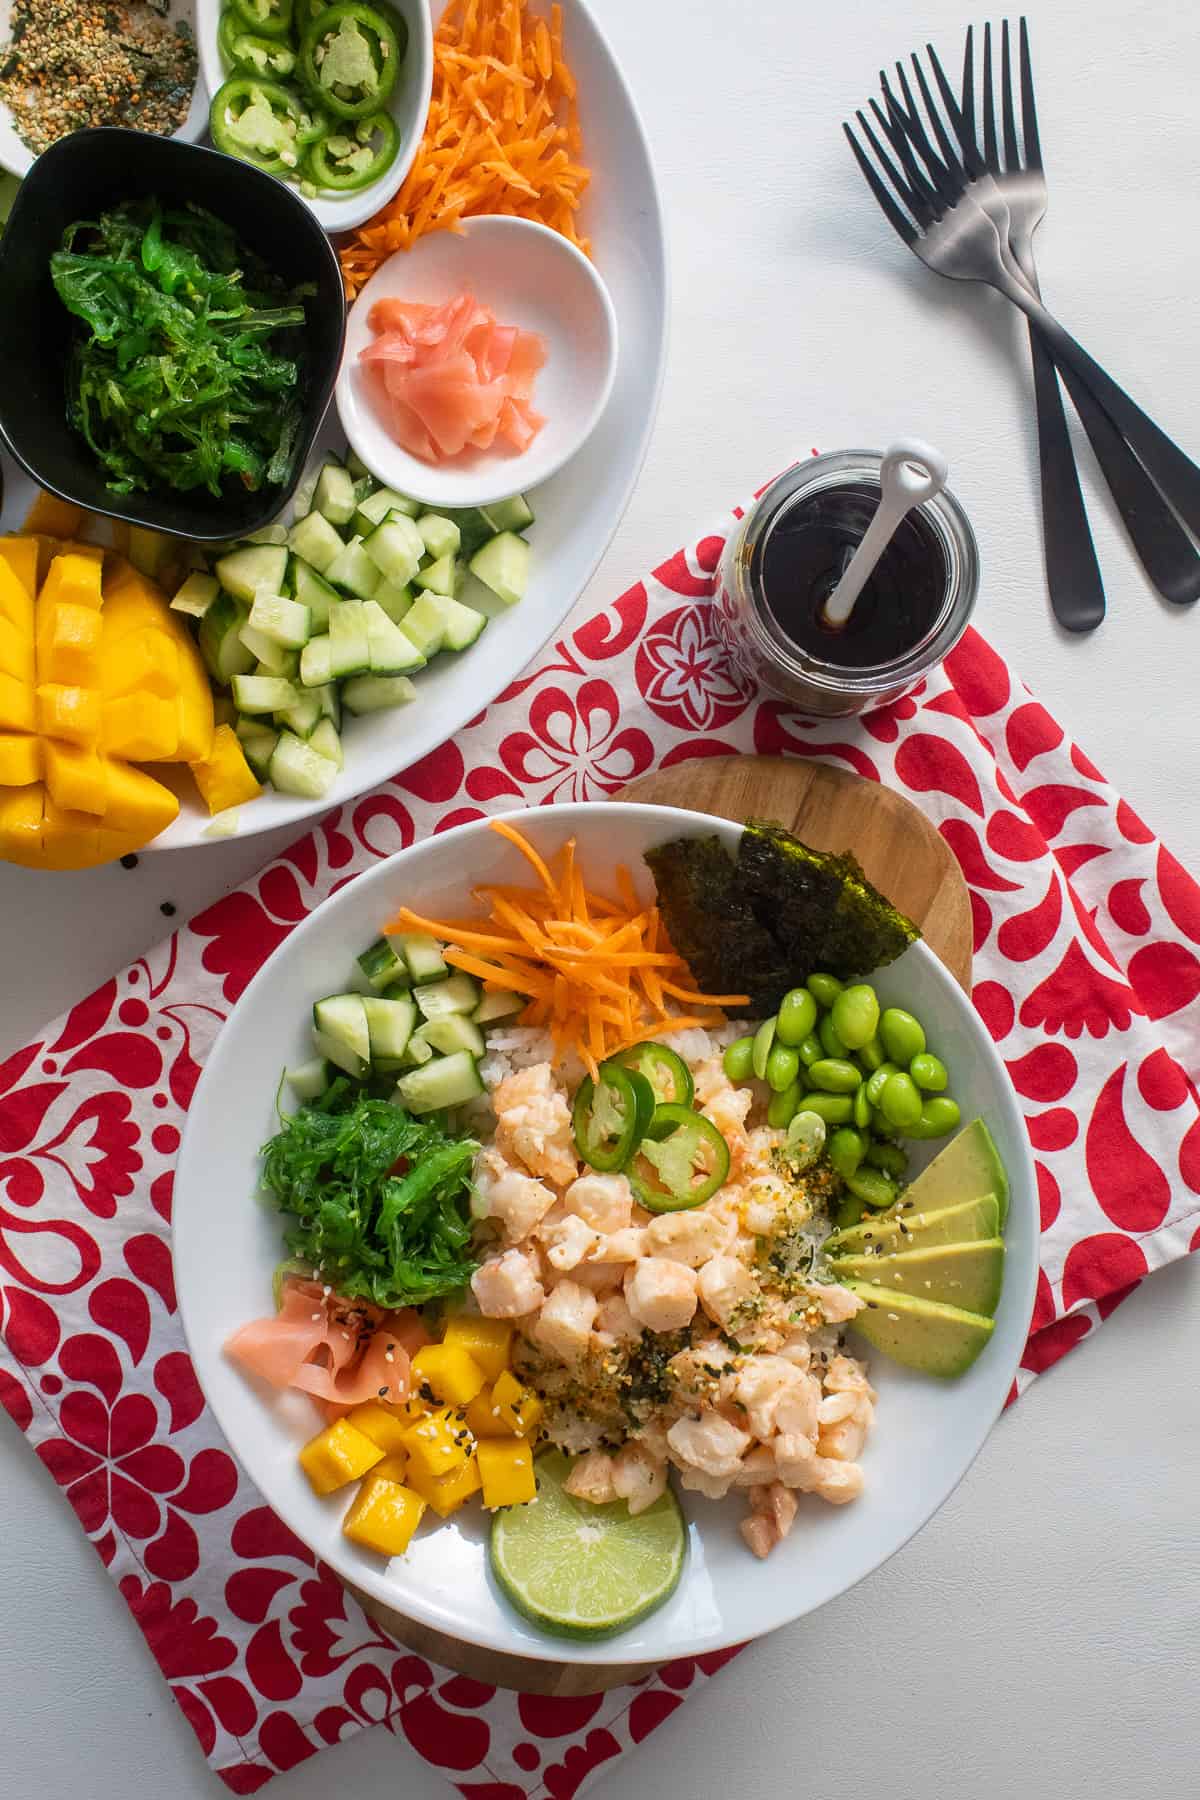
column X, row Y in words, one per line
column 129, row 862
column 167, row 909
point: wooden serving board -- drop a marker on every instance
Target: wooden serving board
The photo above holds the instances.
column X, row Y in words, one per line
column 908, row 861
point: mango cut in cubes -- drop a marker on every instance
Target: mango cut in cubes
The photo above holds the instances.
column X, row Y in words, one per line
column 506, row 1471
column 488, row 1342
column 506, row 1410
column 449, row 1371
column 438, row 1442
column 224, row 777
column 384, row 1425
column 383, row 1516
column 446, row 1493
column 337, row 1455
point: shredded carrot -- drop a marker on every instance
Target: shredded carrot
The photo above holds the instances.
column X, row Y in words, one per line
column 502, row 135
column 598, row 973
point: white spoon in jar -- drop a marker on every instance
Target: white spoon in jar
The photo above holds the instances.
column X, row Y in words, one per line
column 910, row 473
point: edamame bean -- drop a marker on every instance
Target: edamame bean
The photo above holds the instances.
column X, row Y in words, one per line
column 849, row 1212
column 888, row 1157
column 903, row 1036
column 875, row 1082
column 805, row 1138
column 929, row 1072
column 835, row 1109
column 764, row 1037
column 834, row 1075
column 811, row 1050
column 780, row 1107
column 783, row 1068
column 738, row 1060
column 797, row 1016
column 824, row 988
column 831, row 1043
column 872, row 1054
column 873, row 1186
column 846, row 1149
column 855, row 1015
column 938, row 1116
column 899, row 1101
column 864, row 1112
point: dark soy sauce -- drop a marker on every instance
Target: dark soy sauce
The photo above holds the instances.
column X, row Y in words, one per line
column 805, row 556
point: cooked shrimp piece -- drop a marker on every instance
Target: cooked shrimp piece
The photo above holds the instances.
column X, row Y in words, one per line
column 796, row 1460
column 533, row 1121
column 726, row 1107
column 710, row 1443
column 564, row 1324
column 507, row 1286
column 838, row 1482
column 846, row 1376
column 592, row 1479
column 769, row 1206
column 797, row 1408
column 687, row 1237
column 568, row 1241
column 768, row 1386
column 510, row 1195
column 696, row 1481
column 796, row 1349
column 638, row 1477
column 724, row 1284
column 758, row 1535
column 836, row 1407
column 661, row 1294
column 624, row 1246
column 772, row 1515
column 838, row 1304
column 758, row 1468
column 842, row 1442
column 615, row 1324
column 702, row 1375
column 605, row 1201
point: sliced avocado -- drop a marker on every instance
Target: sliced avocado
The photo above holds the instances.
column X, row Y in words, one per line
column 963, row 1275
column 926, row 1335
column 969, row 1166
column 904, row 1227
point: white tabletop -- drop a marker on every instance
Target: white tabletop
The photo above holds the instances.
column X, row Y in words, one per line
column 1038, row 1636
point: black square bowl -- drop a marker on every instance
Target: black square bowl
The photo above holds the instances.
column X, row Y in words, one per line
column 76, row 179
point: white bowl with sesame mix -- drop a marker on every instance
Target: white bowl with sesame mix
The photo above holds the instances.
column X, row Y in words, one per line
column 61, row 59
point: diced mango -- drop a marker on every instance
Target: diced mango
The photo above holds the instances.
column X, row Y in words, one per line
column 195, row 696
column 145, row 661
column 224, row 777
column 74, row 577
column 506, row 1471
column 21, row 813
column 16, row 652
column 395, row 1466
column 70, row 839
column 75, row 777
column 381, row 1424
column 17, row 710
column 488, row 1342
column 57, row 518
column 483, row 1419
column 20, row 556
column 68, row 712
column 142, row 728
column 137, row 804
column 337, row 1455
column 383, row 1516
column 438, row 1442
column 448, row 1369
column 68, row 640
column 20, row 759
column 516, row 1406
column 446, row 1493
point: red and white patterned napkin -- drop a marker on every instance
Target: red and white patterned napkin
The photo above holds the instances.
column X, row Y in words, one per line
column 1087, row 971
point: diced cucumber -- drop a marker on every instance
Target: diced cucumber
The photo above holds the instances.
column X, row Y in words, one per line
column 515, row 514
column 309, row 1080
column 390, row 650
column 475, row 528
column 331, row 703
column 376, row 693
column 440, row 577
column 288, row 622
column 296, row 768
column 446, row 1081
column 425, row 624
column 383, row 965
column 316, row 660
column 390, row 1025
column 395, row 597
column 375, row 509
column 325, row 741
column 221, row 646
column 418, row 1051
column 311, row 590
column 341, row 1032
column 358, row 468
column 353, row 571
column 459, row 993
column 423, row 954
column 440, row 535
column 258, row 744
column 267, row 534
column 334, row 494
column 315, row 542
column 463, row 624
column 243, row 572
column 498, row 1005
column 349, row 651
column 503, row 564
column 263, row 694
column 196, row 596
column 453, row 1032
column 396, row 548
column 270, row 658
column 480, row 598
column 302, row 717
column 364, row 487
column 302, row 499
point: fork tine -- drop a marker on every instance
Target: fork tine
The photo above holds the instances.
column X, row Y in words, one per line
column 991, row 154
column 931, row 205
column 962, row 117
column 968, row 84
column 1029, row 124
column 1012, row 147
column 905, row 121
column 939, row 171
column 903, row 227
column 935, row 117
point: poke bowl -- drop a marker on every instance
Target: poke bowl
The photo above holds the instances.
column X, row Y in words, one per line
column 228, row 1247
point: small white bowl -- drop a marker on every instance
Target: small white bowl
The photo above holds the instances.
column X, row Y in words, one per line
column 408, row 105
column 16, row 155
column 530, row 277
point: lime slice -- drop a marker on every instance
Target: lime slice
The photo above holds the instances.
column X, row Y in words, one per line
column 580, row 1570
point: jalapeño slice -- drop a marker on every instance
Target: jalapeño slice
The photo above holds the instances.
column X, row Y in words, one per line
column 344, row 163
column 268, row 18
column 680, row 1163
column 350, row 56
column 668, row 1074
column 607, row 1118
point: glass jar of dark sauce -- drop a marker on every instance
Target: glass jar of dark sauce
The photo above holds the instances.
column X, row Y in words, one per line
column 784, row 561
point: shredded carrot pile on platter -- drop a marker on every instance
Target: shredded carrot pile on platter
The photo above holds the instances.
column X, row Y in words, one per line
column 502, row 135
column 599, row 974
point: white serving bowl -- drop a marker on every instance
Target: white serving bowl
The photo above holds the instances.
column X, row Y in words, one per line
column 18, row 158
column 408, row 105
column 529, row 276
column 927, row 1433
